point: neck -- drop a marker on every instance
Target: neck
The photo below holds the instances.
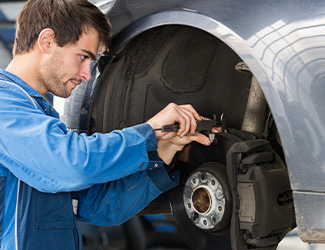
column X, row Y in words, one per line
column 25, row 66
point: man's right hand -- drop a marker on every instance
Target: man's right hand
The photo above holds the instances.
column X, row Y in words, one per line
column 185, row 115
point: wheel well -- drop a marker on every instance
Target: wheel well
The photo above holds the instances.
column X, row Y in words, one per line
column 166, row 64
column 184, row 65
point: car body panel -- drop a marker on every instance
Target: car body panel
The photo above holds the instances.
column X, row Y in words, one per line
column 282, row 42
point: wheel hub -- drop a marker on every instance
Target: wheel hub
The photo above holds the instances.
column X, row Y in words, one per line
column 204, row 200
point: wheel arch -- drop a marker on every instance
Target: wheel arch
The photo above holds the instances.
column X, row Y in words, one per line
column 191, row 18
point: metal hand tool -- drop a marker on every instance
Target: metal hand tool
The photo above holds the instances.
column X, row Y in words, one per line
column 202, row 126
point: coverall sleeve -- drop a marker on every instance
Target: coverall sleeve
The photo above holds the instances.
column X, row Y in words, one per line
column 115, row 202
column 40, row 151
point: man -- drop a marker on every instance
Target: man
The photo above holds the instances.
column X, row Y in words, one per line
column 44, row 168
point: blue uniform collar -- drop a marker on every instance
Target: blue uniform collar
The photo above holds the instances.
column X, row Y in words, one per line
column 5, row 75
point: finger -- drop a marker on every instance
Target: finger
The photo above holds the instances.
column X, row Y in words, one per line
column 202, row 139
column 188, row 118
column 182, row 124
column 191, row 122
column 165, row 135
column 216, row 130
column 190, row 108
column 185, row 120
column 172, row 114
column 193, row 125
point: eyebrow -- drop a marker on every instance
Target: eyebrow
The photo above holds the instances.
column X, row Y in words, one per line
column 91, row 55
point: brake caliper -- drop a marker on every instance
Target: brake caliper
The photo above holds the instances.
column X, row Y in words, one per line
column 263, row 209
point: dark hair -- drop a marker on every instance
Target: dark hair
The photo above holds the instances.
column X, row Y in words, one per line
column 67, row 18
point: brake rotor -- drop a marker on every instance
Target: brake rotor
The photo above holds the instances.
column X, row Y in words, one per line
column 202, row 203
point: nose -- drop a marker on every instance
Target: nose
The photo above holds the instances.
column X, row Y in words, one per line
column 85, row 73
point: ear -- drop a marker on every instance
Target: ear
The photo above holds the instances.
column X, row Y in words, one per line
column 46, row 40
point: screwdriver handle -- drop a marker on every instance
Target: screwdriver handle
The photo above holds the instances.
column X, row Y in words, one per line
column 170, row 128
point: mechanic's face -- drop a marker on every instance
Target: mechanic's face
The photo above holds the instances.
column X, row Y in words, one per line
column 67, row 66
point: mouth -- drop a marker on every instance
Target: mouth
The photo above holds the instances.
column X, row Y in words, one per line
column 74, row 82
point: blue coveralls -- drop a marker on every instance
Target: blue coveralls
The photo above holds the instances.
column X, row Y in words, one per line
column 44, row 167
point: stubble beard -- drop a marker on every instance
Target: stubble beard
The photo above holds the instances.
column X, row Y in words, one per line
column 50, row 76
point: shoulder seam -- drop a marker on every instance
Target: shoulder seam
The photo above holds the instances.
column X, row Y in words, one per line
column 31, row 98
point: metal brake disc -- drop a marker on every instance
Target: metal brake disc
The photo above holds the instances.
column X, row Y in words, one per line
column 202, row 203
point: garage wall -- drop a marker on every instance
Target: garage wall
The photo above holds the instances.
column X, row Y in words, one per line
column 8, row 14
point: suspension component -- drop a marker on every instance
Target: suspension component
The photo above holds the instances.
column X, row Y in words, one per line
column 256, row 109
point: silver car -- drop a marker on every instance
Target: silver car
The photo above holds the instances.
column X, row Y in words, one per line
column 255, row 67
